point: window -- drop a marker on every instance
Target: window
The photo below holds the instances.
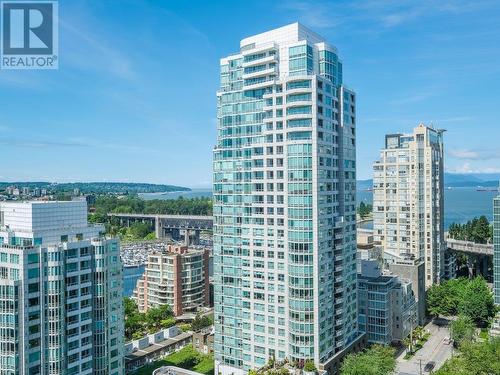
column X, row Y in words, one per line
column 306, row 83
column 304, row 109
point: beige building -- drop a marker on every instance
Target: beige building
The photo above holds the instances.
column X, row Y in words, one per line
column 408, row 199
column 177, row 277
column 203, row 340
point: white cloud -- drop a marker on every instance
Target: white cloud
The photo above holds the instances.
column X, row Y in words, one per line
column 483, row 154
column 463, row 154
column 36, row 143
column 91, row 52
column 468, row 168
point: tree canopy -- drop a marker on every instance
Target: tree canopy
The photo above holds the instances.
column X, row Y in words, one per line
column 474, row 358
column 377, row 360
column 443, row 299
column 462, row 329
column 201, row 321
column 470, row 298
column 476, row 230
column 364, row 210
column 477, row 302
column 139, row 324
column 133, row 204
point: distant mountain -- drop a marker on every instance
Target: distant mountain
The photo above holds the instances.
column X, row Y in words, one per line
column 471, row 179
column 454, row 180
column 97, row 187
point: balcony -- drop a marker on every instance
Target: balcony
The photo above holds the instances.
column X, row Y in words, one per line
column 260, row 73
column 264, row 60
column 259, row 85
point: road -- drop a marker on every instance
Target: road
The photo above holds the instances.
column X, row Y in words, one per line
column 433, row 350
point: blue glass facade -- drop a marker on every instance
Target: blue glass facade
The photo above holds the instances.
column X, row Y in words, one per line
column 284, row 204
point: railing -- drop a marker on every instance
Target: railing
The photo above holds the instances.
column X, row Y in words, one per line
column 469, row 247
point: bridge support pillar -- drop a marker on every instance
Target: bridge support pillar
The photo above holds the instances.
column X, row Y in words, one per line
column 485, row 267
column 191, row 237
column 158, row 231
column 470, row 266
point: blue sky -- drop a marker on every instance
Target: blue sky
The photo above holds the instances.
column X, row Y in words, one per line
column 134, row 96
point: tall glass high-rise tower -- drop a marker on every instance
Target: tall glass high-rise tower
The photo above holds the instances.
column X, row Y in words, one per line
column 60, row 292
column 408, row 200
column 284, row 204
column 495, row 329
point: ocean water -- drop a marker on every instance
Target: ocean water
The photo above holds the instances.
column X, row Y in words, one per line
column 460, row 204
column 194, row 193
column 130, row 276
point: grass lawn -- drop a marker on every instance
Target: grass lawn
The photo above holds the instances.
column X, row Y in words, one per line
column 483, row 334
column 187, row 358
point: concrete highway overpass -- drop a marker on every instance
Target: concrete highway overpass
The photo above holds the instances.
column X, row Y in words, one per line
column 480, row 256
column 171, row 226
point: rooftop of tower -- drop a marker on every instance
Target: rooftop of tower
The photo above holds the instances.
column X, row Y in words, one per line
column 290, row 33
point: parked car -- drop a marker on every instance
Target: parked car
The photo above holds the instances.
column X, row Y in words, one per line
column 429, row 366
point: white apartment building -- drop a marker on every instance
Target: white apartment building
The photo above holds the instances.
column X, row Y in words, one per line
column 408, row 199
column 284, row 204
column 60, row 292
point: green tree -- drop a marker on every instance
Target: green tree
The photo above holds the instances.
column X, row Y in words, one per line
column 140, row 230
column 377, row 360
column 156, row 315
column 437, row 301
column 134, row 326
column 309, row 366
column 472, row 298
column 477, row 230
column 130, row 306
column 444, row 299
column 364, row 210
column 462, row 329
column 474, row 358
column 477, row 302
column 201, row 321
column 134, row 320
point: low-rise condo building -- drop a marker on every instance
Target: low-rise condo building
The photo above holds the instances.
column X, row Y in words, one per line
column 177, row 277
column 387, row 307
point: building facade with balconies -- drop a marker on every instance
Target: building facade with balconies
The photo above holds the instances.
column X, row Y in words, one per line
column 408, row 200
column 284, row 204
column 60, row 291
column 177, row 277
column 387, row 305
